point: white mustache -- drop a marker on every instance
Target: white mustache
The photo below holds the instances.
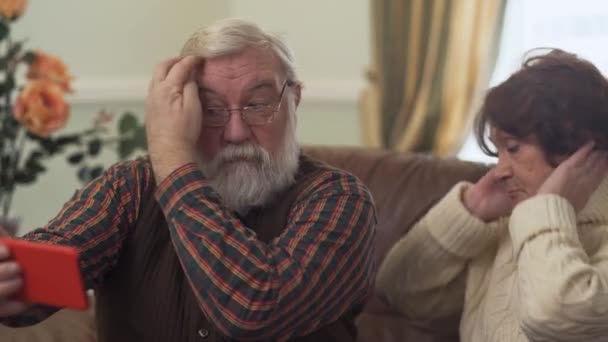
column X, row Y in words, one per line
column 247, row 175
column 232, row 153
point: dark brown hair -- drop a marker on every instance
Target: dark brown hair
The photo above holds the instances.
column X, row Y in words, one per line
column 557, row 98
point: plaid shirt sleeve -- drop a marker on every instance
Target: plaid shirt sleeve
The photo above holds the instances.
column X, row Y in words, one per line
column 95, row 221
column 319, row 268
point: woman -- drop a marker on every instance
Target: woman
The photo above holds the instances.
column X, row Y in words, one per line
column 522, row 255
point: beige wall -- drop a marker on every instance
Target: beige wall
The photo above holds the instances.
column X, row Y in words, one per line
column 111, row 47
column 114, row 38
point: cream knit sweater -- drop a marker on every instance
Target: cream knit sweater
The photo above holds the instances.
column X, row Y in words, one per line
column 542, row 275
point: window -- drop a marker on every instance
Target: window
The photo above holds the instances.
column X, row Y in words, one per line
column 579, row 26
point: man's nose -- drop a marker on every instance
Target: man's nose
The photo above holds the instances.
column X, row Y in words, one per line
column 236, row 130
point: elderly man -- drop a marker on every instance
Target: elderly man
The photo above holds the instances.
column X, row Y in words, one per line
column 226, row 231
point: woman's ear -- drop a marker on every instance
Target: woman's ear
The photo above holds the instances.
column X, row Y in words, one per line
column 297, row 90
column 555, row 160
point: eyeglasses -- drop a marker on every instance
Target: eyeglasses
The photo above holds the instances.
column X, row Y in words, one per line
column 255, row 115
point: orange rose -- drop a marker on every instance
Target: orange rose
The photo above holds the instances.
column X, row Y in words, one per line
column 49, row 67
column 41, row 107
column 12, row 9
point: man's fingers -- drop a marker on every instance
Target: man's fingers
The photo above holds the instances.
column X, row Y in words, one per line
column 11, row 308
column 4, row 252
column 191, row 96
column 181, row 71
column 10, row 287
column 162, row 69
column 9, row 270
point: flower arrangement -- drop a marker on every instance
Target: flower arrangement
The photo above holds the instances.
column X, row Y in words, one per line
column 32, row 113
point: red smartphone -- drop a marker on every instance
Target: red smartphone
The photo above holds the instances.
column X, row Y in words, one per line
column 51, row 274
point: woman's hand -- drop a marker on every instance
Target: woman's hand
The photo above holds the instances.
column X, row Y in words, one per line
column 488, row 199
column 578, row 177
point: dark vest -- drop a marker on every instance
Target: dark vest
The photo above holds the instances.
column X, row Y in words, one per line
column 146, row 297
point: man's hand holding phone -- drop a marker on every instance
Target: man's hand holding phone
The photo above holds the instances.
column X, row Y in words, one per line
column 38, row 273
column 11, row 282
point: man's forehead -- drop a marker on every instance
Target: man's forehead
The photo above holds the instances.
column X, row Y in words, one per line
column 247, row 84
column 252, row 62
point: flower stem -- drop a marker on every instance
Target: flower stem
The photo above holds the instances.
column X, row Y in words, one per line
column 14, row 167
column 10, row 148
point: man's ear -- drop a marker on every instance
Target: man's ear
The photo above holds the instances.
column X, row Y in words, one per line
column 298, row 93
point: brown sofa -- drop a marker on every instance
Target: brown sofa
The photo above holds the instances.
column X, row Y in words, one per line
column 404, row 187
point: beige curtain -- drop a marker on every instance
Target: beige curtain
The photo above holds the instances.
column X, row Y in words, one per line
column 432, row 59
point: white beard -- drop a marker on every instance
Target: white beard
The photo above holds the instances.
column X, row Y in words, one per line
column 247, row 176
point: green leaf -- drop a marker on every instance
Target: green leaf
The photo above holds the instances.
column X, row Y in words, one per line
column 8, row 85
column 4, row 182
column 15, row 49
column 94, row 147
column 49, row 145
column 5, row 162
column 75, row 158
column 36, row 154
column 96, row 172
column 10, row 133
column 25, row 177
column 128, row 122
column 34, row 166
column 11, row 124
column 67, row 139
column 84, row 174
column 29, row 57
column 125, row 148
column 35, row 137
column 4, row 30
column 139, row 138
column 89, row 131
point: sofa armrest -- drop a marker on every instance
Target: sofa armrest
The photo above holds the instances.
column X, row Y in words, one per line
column 65, row 325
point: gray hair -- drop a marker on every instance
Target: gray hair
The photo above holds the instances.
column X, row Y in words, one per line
column 229, row 36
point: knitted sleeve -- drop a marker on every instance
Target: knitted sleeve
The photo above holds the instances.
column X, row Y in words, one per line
column 424, row 274
column 563, row 288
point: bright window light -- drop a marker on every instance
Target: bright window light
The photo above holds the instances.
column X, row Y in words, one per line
column 579, row 27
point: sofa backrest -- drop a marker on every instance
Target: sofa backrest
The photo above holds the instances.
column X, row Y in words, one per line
column 404, row 186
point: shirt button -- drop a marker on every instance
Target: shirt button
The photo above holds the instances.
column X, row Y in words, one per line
column 203, row 333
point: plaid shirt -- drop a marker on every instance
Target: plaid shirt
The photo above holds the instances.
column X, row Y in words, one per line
column 319, row 268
